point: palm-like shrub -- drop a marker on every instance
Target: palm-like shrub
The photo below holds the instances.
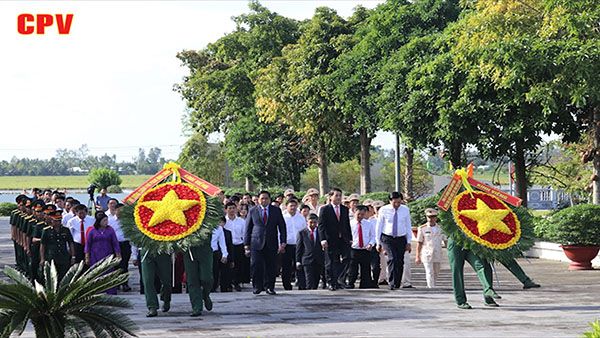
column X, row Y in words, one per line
column 73, row 307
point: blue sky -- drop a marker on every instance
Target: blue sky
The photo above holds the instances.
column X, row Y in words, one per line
column 108, row 84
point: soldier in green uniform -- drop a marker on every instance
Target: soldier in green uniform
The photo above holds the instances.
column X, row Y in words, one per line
column 15, row 218
column 457, row 255
column 518, row 272
column 198, row 262
column 152, row 265
column 57, row 245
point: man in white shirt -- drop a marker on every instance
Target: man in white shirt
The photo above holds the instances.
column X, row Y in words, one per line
column 294, row 223
column 363, row 240
column 237, row 226
column 69, row 211
column 113, row 220
column 394, row 233
column 78, row 226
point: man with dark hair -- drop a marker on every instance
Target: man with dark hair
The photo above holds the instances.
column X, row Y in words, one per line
column 78, row 225
column 261, row 242
column 394, row 233
column 294, row 223
column 236, row 226
column 336, row 237
column 363, row 240
column 309, row 253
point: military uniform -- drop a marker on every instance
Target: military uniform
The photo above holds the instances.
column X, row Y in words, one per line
column 152, row 265
column 457, row 255
column 57, row 244
column 198, row 263
column 430, row 240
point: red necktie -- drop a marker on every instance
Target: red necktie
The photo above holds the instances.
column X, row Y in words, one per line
column 312, row 235
column 265, row 215
column 82, row 234
column 337, row 212
column 361, row 243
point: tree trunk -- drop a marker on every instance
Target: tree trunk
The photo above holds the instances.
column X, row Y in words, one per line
column 249, row 185
column 596, row 159
column 365, row 163
column 456, row 154
column 322, row 163
column 408, row 174
column 520, row 173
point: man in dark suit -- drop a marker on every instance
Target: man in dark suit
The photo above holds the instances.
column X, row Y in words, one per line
column 336, row 237
column 263, row 241
column 309, row 253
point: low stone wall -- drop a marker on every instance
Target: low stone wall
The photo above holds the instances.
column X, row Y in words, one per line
column 552, row 251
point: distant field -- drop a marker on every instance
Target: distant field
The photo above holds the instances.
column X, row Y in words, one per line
column 69, row 182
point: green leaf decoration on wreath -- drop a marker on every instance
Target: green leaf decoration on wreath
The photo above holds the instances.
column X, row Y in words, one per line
column 452, row 230
column 170, row 212
column 154, row 247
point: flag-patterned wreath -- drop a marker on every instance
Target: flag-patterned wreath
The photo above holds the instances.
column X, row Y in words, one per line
column 169, row 212
column 480, row 221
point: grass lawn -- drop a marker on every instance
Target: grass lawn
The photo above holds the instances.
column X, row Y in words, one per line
column 69, row 182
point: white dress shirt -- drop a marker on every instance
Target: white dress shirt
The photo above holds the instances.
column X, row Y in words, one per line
column 115, row 223
column 293, row 225
column 217, row 241
column 385, row 222
column 368, row 233
column 237, row 226
column 74, row 224
column 66, row 218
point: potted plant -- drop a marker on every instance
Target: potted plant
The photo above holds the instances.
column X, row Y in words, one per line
column 577, row 229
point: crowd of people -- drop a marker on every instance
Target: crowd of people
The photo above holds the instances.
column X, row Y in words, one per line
column 308, row 244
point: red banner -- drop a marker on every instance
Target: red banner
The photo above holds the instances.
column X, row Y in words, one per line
column 449, row 193
column 149, row 184
column 512, row 200
column 208, row 188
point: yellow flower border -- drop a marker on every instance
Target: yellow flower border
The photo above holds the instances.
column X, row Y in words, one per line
column 477, row 239
column 191, row 230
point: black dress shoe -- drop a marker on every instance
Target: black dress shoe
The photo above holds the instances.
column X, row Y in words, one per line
column 271, row 292
column 349, row 286
column 407, row 286
column 332, row 288
column 152, row 313
column 257, row 292
column 237, row 287
column 392, row 287
column 126, row 288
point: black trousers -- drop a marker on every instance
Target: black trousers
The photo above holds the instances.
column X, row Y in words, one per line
column 125, row 256
column 221, row 273
column 312, row 275
column 288, row 266
column 375, row 265
column 337, row 261
column 395, row 248
column 362, row 258
column 79, row 252
column 263, row 267
column 241, row 267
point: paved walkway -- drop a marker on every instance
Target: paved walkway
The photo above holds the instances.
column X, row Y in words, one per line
column 563, row 307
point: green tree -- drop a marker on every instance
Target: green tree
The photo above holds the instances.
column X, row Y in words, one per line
column 104, row 177
column 219, row 91
column 297, row 90
column 74, row 306
column 203, row 159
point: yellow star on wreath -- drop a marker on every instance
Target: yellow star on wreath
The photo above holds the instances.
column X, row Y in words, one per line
column 169, row 208
column 487, row 218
